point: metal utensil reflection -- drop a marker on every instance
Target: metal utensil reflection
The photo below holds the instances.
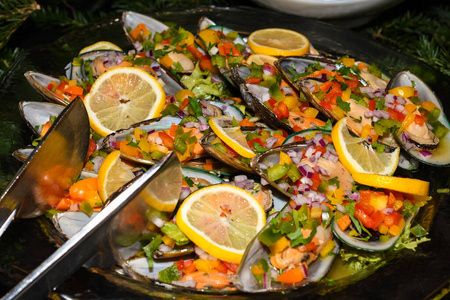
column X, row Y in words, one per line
column 50, row 170
column 125, row 218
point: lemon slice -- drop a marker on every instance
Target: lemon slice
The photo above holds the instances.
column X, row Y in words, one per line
column 102, row 45
column 112, row 175
column 278, row 42
column 400, row 184
column 221, row 219
column 232, row 136
column 121, row 97
column 260, row 59
column 357, row 156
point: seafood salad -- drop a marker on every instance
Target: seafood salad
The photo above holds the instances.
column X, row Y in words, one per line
column 277, row 198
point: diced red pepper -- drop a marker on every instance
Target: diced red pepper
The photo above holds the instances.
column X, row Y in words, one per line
column 194, row 51
column 310, row 247
column 222, row 268
column 364, row 218
column 167, row 140
column 257, row 140
column 281, row 111
column 326, row 105
column 91, row 148
column 320, row 149
column 366, row 208
column 316, row 181
column 272, row 102
column 372, row 104
column 180, row 265
column 205, row 63
column 253, row 80
column 377, row 217
column 419, row 120
column 392, row 219
column 231, row 266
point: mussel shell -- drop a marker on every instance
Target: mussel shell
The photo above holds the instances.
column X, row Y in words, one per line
column 370, row 246
column 245, row 280
column 40, row 82
column 299, row 64
column 175, row 253
column 37, row 114
column 262, row 111
column 205, row 141
column 198, row 175
column 272, row 156
column 307, row 132
column 131, row 19
column 70, row 222
column 156, row 124
column 227, row 109
column 440, row 155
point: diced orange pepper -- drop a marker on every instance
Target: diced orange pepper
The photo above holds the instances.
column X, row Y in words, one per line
column 63, row 204
column 344, row 222
column 291, row 276
column 74, row 90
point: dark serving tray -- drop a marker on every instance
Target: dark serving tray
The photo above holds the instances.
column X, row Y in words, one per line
column 423, row 274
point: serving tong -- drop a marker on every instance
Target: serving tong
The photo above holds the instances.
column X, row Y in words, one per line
column 125, row 217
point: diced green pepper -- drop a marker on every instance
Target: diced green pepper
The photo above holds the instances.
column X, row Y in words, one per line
column 174, row 232
column 179, row 145
column 157, row 155
column 86, row 207
column 268, row 237
column 171, row 109
column 169, row 274
column 220, row 147
column 293, row 173
column 277, row 171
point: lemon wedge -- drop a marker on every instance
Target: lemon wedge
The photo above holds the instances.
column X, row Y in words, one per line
column 232, row 136
column 400, row 184
column 221, row 219
column 359, row 157
column 121, row 97
column 102, row 45
column 112, row 175
column 278, row 42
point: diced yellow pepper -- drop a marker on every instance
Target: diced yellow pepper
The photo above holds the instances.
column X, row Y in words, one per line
column 139, row 134
column 402, row 91
column 346, row 94
column 353, row 232
column 279, row 246
column 204, row 265
column 284, row 158
column 183, row 94
column 394, row 230
column 401, row 224
column 382, row 228
column 339, row 194
column 407, row 121
column 365, row 131
column 329, row 246
column 428, row 105
column 166, row 61
column 129, row 150
column 311, row 112
column 339, row 112
column 348, row 62
column 72, row 82
column 316, row 213
column 146, row 33
column 93, row 198
column 168, row 241
column 379, row 202
column 187, row 41
column 398, row 204
column 291, row 102
column 411, row 107
column 209, row 37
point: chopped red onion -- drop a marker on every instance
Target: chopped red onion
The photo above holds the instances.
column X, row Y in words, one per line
column 329, row 67
column 368, row 90
column 202, row 254
column 315, row 205
column 171, row 99
column 399, row 107
column 355, row 196
column 306, row 180
column 138, row 46
column 400, row 100
column 379, row 93
column 264, row 182
column 158, row 221
column 299, row 199
column 310, row 151
column 74, row 207
column 189, row 124
column 182, row 113
column 268, row 70
column 321, row 170
column 283, row 186
column 340, row 208
column 306, row 170
column 204, row 127
column 405, row 141
column 331, row 155
column 100, row 143
column 381, row 114
column 425, row 154
column 287, row 90
column 263, row 166
column 240, row 178
column 112, row 141
column 97, row 162
column 185, row 191
column 388, row 210
column 324, row 76
column 271, row 141
column 164, row 248
column 303, row 188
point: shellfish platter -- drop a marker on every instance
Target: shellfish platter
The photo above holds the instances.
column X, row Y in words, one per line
column 268, row 134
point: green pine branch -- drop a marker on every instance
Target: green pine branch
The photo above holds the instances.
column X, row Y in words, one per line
column 12, row 14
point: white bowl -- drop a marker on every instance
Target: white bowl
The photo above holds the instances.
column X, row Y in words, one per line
column 330, row 9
